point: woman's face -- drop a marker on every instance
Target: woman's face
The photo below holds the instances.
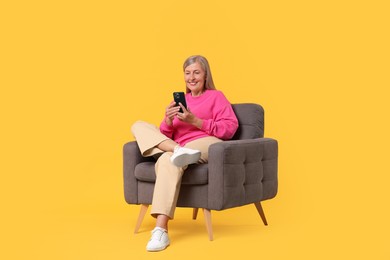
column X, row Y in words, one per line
column 195, row 78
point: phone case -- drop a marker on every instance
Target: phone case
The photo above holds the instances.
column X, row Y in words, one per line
column 180, row 97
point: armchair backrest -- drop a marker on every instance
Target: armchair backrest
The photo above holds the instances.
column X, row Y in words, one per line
column 251, row 121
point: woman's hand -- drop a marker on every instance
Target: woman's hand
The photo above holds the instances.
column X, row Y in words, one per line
column 188, row 117
column 170, row 112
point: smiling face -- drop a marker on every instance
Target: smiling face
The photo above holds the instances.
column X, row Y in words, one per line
column 195, row 77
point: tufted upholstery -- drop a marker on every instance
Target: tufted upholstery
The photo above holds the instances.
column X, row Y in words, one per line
column 239, row 172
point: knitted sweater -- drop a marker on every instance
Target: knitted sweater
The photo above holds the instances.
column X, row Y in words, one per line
column 216, row 112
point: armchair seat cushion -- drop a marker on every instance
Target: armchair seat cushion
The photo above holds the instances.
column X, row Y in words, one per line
column 195, row 174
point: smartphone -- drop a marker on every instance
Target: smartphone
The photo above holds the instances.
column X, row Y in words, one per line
column 180, row 97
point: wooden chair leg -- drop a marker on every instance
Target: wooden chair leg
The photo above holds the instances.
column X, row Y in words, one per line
column 194, row 213
column 207, row 217
column 142, row 212
column 261, row 212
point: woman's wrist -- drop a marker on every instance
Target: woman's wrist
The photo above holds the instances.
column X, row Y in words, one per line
column 168, row 121
column 198, row 123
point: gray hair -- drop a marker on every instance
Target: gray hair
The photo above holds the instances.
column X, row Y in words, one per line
column 209, row 84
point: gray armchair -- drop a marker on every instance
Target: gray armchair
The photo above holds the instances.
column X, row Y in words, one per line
column 239, row 172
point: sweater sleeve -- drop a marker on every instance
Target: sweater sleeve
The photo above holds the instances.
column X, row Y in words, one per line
column 224, row 123
column 166, row 129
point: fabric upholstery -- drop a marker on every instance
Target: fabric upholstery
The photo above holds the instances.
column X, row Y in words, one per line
column 251, row 121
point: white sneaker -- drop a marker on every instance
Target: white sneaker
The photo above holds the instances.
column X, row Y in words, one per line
column 159, row 240
column 184, row 156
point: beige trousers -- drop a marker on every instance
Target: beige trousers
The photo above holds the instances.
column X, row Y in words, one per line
column 168, row 176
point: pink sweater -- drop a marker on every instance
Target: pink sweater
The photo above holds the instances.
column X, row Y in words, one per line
column 216, row 112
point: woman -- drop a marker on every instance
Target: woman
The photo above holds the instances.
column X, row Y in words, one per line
column 183, row 139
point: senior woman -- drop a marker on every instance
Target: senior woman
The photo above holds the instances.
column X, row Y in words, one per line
column 183, row 139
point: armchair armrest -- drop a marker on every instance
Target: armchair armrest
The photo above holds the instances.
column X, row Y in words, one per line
column 131, row 157
column 242, row 172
